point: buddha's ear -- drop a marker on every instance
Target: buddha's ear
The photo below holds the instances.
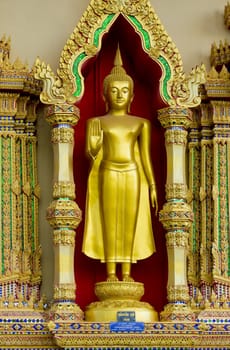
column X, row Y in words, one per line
column 131, row 100
column 106, row 103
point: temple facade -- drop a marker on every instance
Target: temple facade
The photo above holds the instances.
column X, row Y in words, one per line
column 46, row 282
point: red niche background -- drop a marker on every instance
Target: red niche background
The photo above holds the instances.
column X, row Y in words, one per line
column 147, row 100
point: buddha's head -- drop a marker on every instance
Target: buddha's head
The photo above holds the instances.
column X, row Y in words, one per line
column 118, row 82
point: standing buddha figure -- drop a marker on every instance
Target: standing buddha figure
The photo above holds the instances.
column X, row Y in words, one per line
column 121, row 183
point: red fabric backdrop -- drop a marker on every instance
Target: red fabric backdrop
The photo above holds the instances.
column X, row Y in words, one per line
column 146, row 74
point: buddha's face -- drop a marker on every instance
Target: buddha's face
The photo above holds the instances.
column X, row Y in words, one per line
column 119, row 95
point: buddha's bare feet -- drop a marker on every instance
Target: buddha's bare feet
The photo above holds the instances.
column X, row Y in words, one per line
column 127, row 278
column 112, row 278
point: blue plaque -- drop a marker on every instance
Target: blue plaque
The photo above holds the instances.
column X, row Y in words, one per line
column 126, row 316
column 127, row 327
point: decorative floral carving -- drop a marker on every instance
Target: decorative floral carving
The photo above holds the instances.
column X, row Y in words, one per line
column 119, row 290
column 62, row 135
column 176, row 190
column 64, row 292
column 100, row 14
column 177, row 239
column 64, row 237
column 53, row 90
column 64, row 213
column 176, row 136
column 64, row 189
column 178, row 293
column 176, row 216
column 108, row 6
column 175, row 117
column 66, row 114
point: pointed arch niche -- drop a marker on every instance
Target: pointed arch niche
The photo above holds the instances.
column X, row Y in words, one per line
column 163, row 94
column 148, row 75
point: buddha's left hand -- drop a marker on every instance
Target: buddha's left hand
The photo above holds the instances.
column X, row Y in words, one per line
column 153, row 196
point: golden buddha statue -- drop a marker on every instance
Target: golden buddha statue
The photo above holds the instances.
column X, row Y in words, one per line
column 121, row 182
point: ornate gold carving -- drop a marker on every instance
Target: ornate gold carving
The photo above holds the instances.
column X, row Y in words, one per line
column 65, row 311
column 64, row 237
column 20, row 302
column 7, row 207
column 27, row 189
column 53, row 91
column 177, row 293
column 185, row 90
column 31, row 106
column 216, row 256
column 36, row 265
column 221, row 114
column 219, row 55
column 64, row 213
column 177, row 239
column 65, row 292
column 119, row 296
column 15, row 76
column 176, row 190
column 193, row 267
column 8, row 106
column 62, row 114
column 19, row 243
column 37, row 191
column 174, row 117
column 180, row 312
column 60, row 88
column 62, row 135
column 128, row 7
column 189, row 334
column 108, row 6
column 176, row 216
column 205, row 264
column 119, row 290
column 119, row 304
column 218, row 83
column 21, row 107
column 178, row 137
column 90, row 50
column 202, row 194
column 64, row 189
column 16, row 188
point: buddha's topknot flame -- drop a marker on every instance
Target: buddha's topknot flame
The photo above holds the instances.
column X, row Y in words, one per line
column 117, row 73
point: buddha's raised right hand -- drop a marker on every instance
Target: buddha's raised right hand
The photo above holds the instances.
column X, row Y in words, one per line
column 95, row 136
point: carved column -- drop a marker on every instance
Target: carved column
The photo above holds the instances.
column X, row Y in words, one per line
column 10, row 230
column 23, row 183
column 176, row 215
column 20, row 255
column 63, row 213
column 206, row 170
column 194, row 179
column 221, row 200
column 34, row 194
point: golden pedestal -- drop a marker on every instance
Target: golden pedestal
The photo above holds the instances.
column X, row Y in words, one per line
column 117, row 297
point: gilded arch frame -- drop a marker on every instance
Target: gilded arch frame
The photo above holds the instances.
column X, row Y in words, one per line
column 67, row 86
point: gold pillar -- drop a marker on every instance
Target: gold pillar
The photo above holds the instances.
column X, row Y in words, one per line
column 9, row 228
column 63, row 213
column 194, row 180
column 206, row 200
column 34, row 194
column 23, row 195
column 221, row 200
column 176, row 215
